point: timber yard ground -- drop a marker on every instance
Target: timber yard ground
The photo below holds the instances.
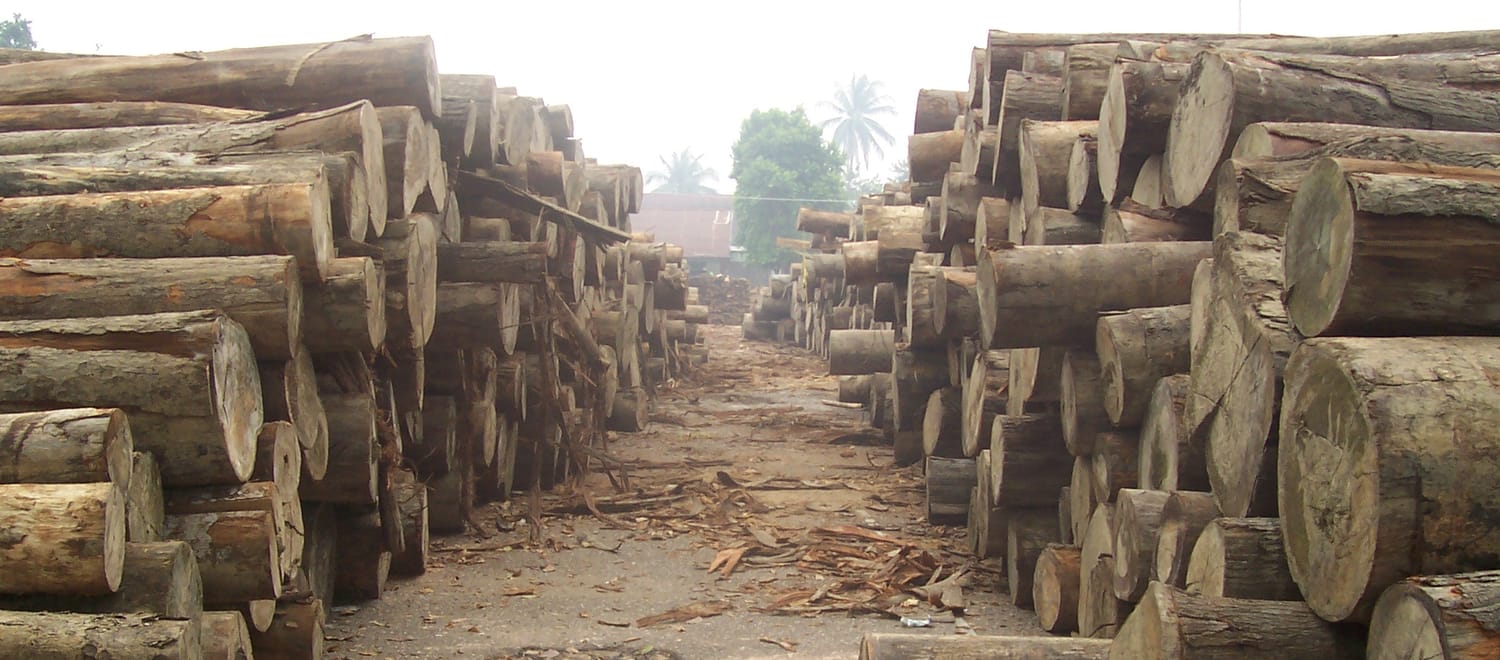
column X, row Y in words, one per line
column 751, row 521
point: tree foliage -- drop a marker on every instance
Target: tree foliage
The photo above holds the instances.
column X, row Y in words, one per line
column 780, row 161
column 16, row 33
column 684, row 172
column 856, row 123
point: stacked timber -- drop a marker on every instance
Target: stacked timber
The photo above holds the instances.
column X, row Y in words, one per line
column 257, row 300
column 1247, row 362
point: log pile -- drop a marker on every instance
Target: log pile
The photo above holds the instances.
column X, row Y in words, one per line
column 273, row 316
column 1214, row 369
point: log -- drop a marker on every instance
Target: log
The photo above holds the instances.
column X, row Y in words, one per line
column 1035, row 379
column 1086, row 77
column 987, row 379
column 1084, row 196
column 69, row 538
column 159, row 578
column 1257, row 195
column 1049, row 226
column 1183, row 520
column 893, row 646
column 987, row 524
column 1272, row 139
column 1403, row 421
column 411, row 497
column 353, row 128
column 914, row 376
column 1026, row 96
column 468, row 315
column 854, row 389
column 1241, row 558
column 980, row 144
column 296, row 633
column 74, row 445
column 1097, row 606
column 318, row 551
column 289, row 391
column 1171, row 623
column 1224, row 92
column 949, row 481
column 920, row 327
column 492, row 262
column 1367, row 214
column 1055, row 588
column 32, row 175
column 1082, row 394
column 959, row 207
column 1132, row 222
column 1138, row 524
column 225, row 636
column 1082, row 498
column 1236, row 373
column 928, row 154
column 479, row 90
column 938, row 109
column 318, row 75
column 1134, row 117
column 363, row 561
column 1065, row 514
column 203, row 406
column 407, row 168
column 856, row 352
column 236, row 552
column 830, row 223
column 345, row 311
column 631, row 408
column 1136, row 349
column 992, row 223
column 899, row 219
column 278, row 460
column 1028, row 532
column 1106, row 613
column 1027, row 464
column 123, row 636
column 456, row 125
column 62, row 116
column 292, row 219
column 1440, row 616
column 941, row 424
column 1147, row 189
column 409, row 256
column 254, row 496
column 143, row 501
column 353, row 452
column 1113, row 463
column 1063, row 288
column 1045, row 149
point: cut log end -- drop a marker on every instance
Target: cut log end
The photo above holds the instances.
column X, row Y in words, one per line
column 1199, row 134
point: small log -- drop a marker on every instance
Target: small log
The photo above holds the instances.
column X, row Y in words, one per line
column 1082, row 394
column 70, row 538
column 632, row 407
column 123, row 636
column 1171, row 623
column 1027, row 533
column 1440, row 616
column 1055, row 588
column 1138, row 524
column 1136, row 349
column 1183, row 520
column 892, row 646
column 949, row 481
column 1241, row 558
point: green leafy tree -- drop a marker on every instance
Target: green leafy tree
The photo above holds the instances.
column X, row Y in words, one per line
column 684, row 172
column 781, row 163
column 16, row 33
column 856, row 126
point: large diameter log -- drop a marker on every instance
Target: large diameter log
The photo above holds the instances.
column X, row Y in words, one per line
column 1438, row 616
column 1171, row 623
column 1134, row 117
column 928, row 154
column 1139, row 514
column 1225, row 92
column 1136, row 349
column 193, row 394
column 1257, row 194
column 1054, row 588
column 291, row 219
column 237, row 553
column 345, row 311
column 1390, row 409
column 353, row 453
column 1364, row 279
column 1026, row 96
column 1044, row 154
column 69, row 539
column 296, row 632
column 1051, row 296
column 1027, row 533
column 299, row 76
column 122, row 636
column 856, row 352
column 1241, row 558
column 1027, row 460
column 262, row 293
column 1183, row 519
column 894, row 646
column 949, row 481
column 72, row 445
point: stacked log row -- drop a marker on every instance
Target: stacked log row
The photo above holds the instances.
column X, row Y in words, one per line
column 234, row 333
column 1231, row 342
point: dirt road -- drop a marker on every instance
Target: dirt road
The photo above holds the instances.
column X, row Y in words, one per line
column 749, row 521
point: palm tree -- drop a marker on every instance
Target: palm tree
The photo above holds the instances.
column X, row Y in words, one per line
column 855, row 124
column 684, row 172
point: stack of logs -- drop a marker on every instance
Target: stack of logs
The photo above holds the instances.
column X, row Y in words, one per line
column 1209, row 382
column 268, row 316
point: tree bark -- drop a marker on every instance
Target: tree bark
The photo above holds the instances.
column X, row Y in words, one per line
column 1171, row 623
column 1028, row 532
column 1055, row 588
column 126, row 637
column 345, row 312
column 74, row 445
column 1395, row 406
column 1241, row 558
column 892, row 646
column 1139, row 515
column 949, row 481
column 1134, row 117
column 236, row 551
column 1136, row 349
column 1226, row 91
column 1026, row 96
column 1443, row 616
column 202, row 407
column 1082, row 395
column 1183, row 520
column 1062, row 289
column 1369, row 278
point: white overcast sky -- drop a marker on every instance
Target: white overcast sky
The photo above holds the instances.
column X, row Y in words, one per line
column 647, row 78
